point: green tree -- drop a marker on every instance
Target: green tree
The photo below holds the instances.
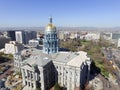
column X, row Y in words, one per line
column 38, row 89
column 57, row 87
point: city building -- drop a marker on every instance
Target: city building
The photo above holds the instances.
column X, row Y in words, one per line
column 33, row 43
column 91, row 36
column 19, row 36
column 13, row 47
column 61, row 35
column 43, row 68
column 115, row 36
column 11, row 34
column 3, row 40
column 106, row 35
column 28, row 35
column 74, row 35
column 24, row 36
column 69, row 35
column 118, row 45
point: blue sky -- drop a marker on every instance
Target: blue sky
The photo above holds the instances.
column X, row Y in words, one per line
column 77, row 13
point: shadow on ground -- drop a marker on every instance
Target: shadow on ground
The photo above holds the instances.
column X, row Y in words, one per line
column 94, row 71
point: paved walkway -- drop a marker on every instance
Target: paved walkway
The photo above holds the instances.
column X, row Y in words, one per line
column 6, row 83
column 100, row 83
column 27, row 88
column 97, row 84
column 108, row 85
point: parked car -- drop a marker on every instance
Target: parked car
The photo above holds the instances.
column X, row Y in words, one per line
column 1, row 72
column 7, row 67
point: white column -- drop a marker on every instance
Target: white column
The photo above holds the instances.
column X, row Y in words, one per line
column 36, row 77
column 23, row 76
column 34, row 80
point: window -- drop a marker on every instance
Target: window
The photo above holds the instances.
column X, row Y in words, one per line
column 70, row 86
column 65, row 77
column 25, row 76
column 60, row 78
column 32, row 85
column 60, row 73
column 25, row 82
column 39, row 78
column 29, row 83
column 65, row 83
column 28, row 73
column 31, row 75
column 66, row 71
column 15, row 63
column 60, row 68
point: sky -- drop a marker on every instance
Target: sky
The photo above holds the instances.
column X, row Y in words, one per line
column 68, row 13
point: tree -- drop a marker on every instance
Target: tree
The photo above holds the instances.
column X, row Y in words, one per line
column 38, row 89
column 57, row 87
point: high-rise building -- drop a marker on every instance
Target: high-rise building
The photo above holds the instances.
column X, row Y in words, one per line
column 25, row 36
column 19, row 36
column 3, row 40
column 11, row 34
column 28, row 35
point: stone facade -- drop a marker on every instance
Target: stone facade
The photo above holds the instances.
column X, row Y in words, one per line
column 13, row 47
column 38, row 76
column 42, row 69
column 48, row 69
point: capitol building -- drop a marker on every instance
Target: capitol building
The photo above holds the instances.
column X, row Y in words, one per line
column 43, row 68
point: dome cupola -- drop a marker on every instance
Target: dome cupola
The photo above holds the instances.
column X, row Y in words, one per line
column 50, row 27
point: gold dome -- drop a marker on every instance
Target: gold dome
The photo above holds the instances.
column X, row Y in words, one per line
column 50, row 27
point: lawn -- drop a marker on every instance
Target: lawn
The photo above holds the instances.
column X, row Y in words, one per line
column 94, row 51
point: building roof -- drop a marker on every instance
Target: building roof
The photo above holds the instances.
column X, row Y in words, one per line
column 37, row 58
column 69, row 58
column 63, row 57
column 78, row 60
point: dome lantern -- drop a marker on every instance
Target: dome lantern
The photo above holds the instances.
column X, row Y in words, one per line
column 50, row 27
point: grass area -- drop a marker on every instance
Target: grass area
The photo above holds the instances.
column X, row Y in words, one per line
column 94, row 51
column 6, row 56
column 102, row 68
column 84, row 42
column 71, row 45
column 19, row 73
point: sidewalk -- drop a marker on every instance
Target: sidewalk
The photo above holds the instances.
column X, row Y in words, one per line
column 6, row 83
column 97, row 84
